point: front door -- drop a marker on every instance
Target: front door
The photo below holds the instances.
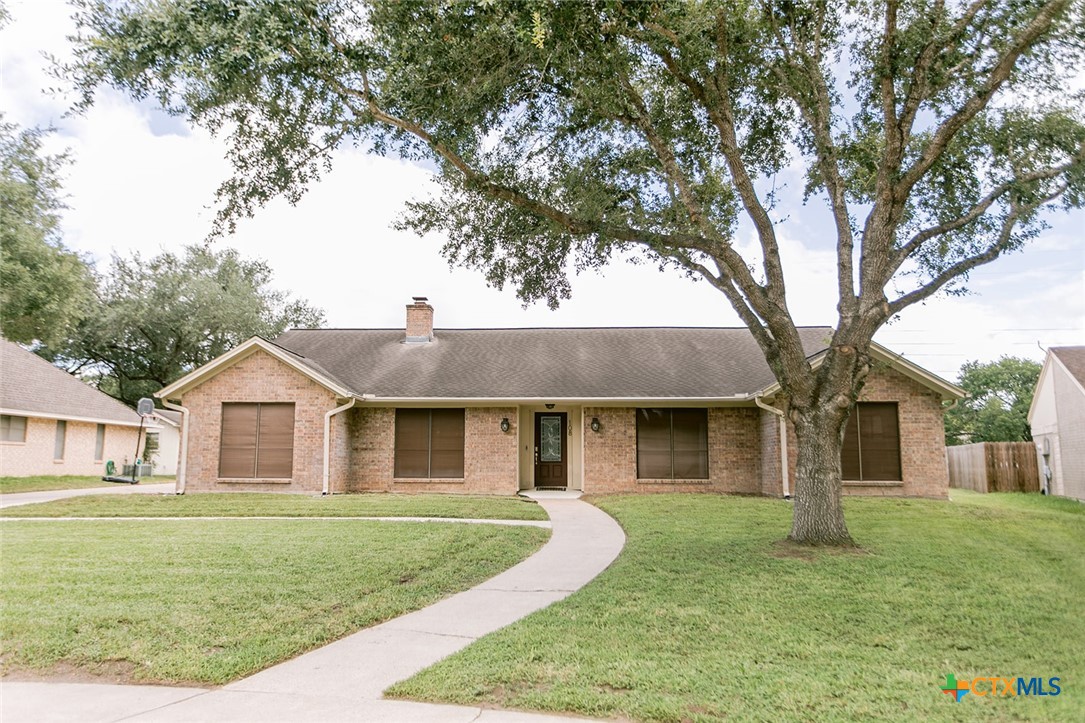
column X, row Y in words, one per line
column 551, row 469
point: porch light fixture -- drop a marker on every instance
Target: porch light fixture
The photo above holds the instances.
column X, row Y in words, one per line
column 549, row 406
column 505, row 424
column 595, row 426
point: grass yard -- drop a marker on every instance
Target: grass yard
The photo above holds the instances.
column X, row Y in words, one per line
column 12, row 485
column 246, row 504
column 705, row 615
column 207, row 602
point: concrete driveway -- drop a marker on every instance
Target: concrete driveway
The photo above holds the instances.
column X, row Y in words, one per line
column 30, row 498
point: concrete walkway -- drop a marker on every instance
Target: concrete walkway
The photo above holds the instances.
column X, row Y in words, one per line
column 344, row 681
column 30, row 498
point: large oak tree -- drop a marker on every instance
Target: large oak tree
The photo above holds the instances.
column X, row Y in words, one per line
column 936, row 133
column 156, row 319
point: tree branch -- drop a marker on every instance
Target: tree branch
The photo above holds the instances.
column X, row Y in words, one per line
column 916, row 241
column 965, row 265
column 725, row 284
column 817, row 112
column 712, row 97
column 978, row 100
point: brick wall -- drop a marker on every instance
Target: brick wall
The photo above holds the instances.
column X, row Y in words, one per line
column 35, row 455
column 922, row 436
column 734, row 454
column 922, row 441
column 259, row 378
column 743, row 442
column 489, row 465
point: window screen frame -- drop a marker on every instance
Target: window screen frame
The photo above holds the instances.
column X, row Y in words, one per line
column 99, row 442
column 415, row 426
column 260, row 446
column 60, row 440
column 6, row 433
column 859, row 464
column 643, row 427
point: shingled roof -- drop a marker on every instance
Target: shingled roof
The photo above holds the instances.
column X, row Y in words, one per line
column 569, row 363
column 1073, row 358
column 31, row 385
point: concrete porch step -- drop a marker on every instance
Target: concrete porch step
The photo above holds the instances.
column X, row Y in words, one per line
column 551, row 494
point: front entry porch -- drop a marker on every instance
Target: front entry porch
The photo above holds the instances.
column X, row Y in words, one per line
column 551, row 448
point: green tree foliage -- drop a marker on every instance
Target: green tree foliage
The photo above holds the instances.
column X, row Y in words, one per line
column 158, row 319
column 999, row 396
column 45, row 288
column 564, row 133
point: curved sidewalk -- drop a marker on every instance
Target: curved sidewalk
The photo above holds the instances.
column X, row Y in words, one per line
column 343, row 681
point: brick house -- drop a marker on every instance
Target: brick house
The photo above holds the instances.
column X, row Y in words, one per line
column 54, row 424
column 496, row 411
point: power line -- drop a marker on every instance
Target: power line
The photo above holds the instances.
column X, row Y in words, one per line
column 928, row 331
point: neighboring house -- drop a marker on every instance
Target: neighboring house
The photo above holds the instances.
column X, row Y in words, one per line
column 1057, row 419
column 54, row 424
column 169, row 442
column 494, row 411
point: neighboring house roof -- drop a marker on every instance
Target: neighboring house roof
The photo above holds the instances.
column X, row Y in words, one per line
column 30, row 386
column 1073, row 359
column 521, row 364
column 169, row 416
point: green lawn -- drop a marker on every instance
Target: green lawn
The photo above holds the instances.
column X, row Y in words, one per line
column 11, row 485
column 705, row 616
column 207, row 602
column 245, row 504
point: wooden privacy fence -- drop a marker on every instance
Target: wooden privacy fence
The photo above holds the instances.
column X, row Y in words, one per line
column 994, row 467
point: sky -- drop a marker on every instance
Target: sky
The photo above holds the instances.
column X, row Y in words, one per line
column 143, row 181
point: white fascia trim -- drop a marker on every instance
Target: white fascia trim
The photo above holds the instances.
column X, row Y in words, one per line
column 72, row 418
column 238, row 353
column 1039, row 385
column 905, row 367
column 562, row 401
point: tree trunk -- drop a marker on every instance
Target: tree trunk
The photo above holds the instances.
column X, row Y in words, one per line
column 819, row 516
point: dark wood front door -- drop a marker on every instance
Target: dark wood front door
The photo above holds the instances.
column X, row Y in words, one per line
column 551, row 449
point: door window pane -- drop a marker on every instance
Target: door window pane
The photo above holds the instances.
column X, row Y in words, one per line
column 550, row 439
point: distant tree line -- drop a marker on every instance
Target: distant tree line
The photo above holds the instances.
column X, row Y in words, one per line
column 999, row 396
column 141, row 324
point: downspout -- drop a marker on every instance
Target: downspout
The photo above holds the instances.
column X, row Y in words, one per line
column 328, row 441
column 179, row 488
column 783, row 443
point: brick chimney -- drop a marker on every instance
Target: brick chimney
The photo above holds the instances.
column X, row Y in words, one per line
column 419, row 320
